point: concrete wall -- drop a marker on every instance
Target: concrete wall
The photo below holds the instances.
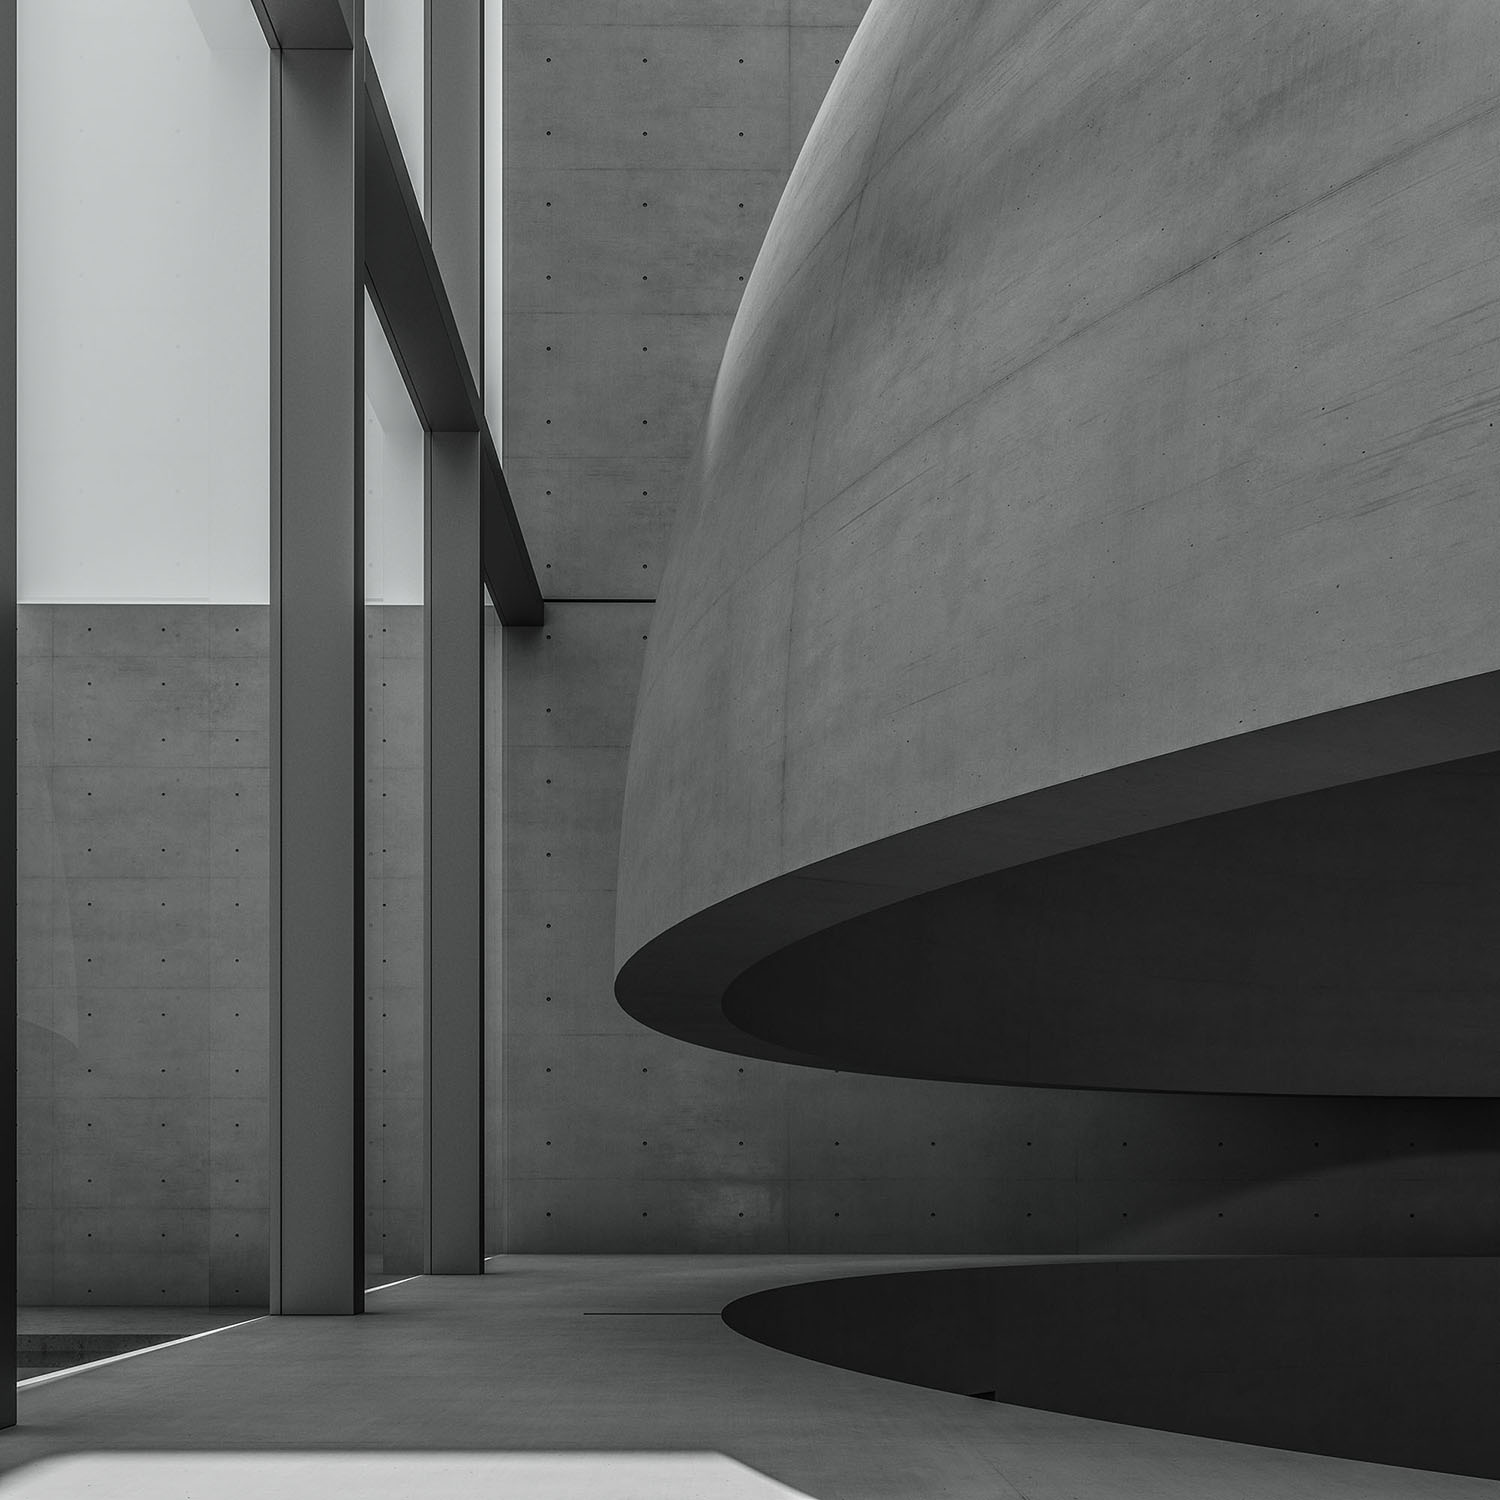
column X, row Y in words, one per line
column 143, row 866
column 144, row 946
column 625, row 243
column 394, row 852
column 606, row 1136
column 1103, row 393
column 645, row 149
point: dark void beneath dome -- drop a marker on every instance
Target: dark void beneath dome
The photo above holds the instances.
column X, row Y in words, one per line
column 1344, row 941
column 1388, row 1360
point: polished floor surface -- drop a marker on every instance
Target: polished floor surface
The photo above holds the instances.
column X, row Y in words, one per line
column 598, row 1376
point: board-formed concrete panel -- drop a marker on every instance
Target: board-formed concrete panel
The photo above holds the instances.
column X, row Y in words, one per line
column 1104, row 441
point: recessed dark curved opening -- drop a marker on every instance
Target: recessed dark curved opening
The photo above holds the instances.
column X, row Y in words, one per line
column 1340, row 942
column 1389, row 1360
column 770, row 971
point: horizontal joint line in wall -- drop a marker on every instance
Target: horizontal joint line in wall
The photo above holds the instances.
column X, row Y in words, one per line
column 592, row 599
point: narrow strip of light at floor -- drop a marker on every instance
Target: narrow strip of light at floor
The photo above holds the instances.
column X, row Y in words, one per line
column 94, row 1364
column 114, row 1359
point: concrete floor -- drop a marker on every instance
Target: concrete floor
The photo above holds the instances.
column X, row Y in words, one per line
column 49, row 1339
column 600, row 1377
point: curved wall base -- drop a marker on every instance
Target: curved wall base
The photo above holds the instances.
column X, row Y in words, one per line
column 1389, row 1360
column 1103, row 441
column 1337, row 942
column 1298, row 911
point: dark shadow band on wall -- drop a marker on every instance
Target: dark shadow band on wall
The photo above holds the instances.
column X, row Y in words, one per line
column 1297, row 910
column 1392, row 1361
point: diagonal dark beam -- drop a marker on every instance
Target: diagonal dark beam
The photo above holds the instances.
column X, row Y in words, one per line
column 407, row 289
column 508, row 573
column 405, row 285
column 316, row 25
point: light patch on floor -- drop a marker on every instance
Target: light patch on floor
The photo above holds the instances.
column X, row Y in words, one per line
column 396, row 1476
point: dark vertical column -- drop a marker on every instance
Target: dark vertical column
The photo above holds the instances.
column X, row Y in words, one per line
column 317, row 604
column 454, row 1078
column 8, row 701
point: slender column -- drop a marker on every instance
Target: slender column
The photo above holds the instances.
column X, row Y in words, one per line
column 454, row 1051
column 454, row 1074
column 8, row 704
column 317, row 595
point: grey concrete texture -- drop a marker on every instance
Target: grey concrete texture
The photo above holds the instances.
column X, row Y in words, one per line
column 678, row 244
column 630, row 232
column 1020, row 1169
column 513, row 1383
column 608, row 1137
column 143, row 958
column 666, row 96
column 394, row 975
column 575, row 557
column 1100, row 393
column 646, row 145
column 608, row 370
column 144, row 919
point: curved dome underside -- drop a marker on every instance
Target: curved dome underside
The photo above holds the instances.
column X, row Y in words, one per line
column 1389, row 1360
column 1342, row 942
column 1105, row 441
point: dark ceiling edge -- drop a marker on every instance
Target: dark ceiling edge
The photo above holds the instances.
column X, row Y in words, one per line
column 676, row 982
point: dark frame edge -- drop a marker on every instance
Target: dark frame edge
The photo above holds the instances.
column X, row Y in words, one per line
column 8, row 721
